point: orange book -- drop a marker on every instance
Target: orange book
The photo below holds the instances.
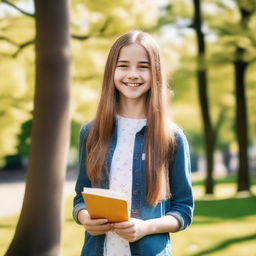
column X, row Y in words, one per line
column 106, row 204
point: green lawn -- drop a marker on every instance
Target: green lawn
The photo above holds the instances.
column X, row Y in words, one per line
column 224, row 225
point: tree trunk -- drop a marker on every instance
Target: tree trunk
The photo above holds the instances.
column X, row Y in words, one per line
column 240, row 65
column 241, row 123
column 38, row 229
column 203, row 99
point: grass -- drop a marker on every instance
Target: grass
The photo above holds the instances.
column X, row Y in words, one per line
column 224, row 180
column 224, row 225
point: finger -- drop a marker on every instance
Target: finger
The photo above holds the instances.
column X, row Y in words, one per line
column 94, row 222
column 127, row 231
column 122, row 225
column 94, row 233
column 105, row 227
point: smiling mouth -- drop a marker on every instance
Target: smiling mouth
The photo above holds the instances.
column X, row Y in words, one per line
column 132, row 84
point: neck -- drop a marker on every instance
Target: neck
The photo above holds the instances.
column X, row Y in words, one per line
column 132, row 109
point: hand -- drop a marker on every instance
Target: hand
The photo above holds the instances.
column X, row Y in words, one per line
column 131, row 230
column 93, row 226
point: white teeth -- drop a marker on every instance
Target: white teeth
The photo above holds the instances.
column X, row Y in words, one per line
column 132, row 84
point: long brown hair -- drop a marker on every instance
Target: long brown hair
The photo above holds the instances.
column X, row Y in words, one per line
column 159, row 138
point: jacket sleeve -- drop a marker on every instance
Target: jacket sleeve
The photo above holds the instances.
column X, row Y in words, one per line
column 82, row 180
column 182, row 202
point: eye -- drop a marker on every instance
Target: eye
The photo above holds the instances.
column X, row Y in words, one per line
column 144, row 66
column 122, row 66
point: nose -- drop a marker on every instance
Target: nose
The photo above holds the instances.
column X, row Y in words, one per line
column 133, row 74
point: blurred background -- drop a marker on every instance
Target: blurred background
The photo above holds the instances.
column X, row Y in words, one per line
column 209, row 49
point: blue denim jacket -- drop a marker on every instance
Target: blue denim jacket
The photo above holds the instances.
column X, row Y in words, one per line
column 180, row 205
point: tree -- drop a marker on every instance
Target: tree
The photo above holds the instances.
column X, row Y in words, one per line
column 38, row 229
column 237, row 36
column 240, row 66
column 223, row 23
column 209, row 134
column 211, row 128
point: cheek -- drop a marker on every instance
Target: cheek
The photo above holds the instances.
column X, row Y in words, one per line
column 118, row 75
column 147, row 76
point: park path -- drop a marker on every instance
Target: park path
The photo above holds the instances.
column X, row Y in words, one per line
column 12, row 188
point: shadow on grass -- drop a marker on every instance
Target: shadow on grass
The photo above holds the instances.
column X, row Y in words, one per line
column 226, row 208
column 226, row 180
column 225, row 244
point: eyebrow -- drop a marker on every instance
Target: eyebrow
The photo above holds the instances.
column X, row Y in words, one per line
column 142, row 62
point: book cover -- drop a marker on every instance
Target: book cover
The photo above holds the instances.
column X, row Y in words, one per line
column 105, row 203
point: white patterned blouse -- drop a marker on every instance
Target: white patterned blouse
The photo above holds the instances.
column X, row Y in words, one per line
column 121, row 177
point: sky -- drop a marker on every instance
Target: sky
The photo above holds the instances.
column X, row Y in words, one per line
column 24, row 5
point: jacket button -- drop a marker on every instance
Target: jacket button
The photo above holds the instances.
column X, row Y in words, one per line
column 135, row 192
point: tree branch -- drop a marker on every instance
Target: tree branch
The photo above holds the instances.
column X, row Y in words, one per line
column 3, row 38
column 100, row 31
column 105, row 26
column 18, row 8
column 22, row 46
column 79, row 37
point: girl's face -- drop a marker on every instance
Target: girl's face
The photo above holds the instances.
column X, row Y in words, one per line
column 132, row 76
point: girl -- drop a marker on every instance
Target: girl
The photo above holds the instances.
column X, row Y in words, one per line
column 131, row 147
